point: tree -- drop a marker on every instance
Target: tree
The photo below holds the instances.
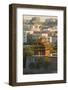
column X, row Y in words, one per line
column 27, row 52
column 30, row 39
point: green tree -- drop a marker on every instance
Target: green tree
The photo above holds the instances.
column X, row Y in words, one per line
column 27, row 52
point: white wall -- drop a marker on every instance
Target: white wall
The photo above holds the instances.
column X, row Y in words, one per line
column 4, row 44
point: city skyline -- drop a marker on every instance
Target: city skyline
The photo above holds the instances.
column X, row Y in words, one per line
column 39, row 44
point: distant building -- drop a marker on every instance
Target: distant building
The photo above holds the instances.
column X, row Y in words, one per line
column 37, row 35
column 35, row 28
column 53, row 34
column 53, row 39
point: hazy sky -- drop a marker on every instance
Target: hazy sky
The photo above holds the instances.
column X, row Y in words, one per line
column 42, row 18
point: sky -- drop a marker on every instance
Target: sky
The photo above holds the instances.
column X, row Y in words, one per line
column 42, row 18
